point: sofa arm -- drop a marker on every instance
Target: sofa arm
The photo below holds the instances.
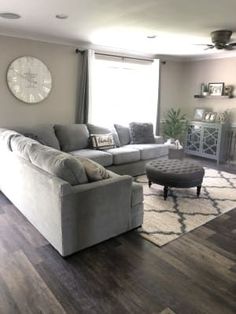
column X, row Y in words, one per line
column 93, row 186
column 158, row 139
column 95, row 212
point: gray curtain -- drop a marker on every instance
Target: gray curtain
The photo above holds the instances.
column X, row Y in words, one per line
column 84, row 88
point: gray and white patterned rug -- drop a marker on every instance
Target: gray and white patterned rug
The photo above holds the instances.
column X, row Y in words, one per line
column 182, row 212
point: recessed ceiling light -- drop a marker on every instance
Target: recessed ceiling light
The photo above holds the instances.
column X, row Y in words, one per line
column 62, row 16
column 151, row 36
column 10, row 15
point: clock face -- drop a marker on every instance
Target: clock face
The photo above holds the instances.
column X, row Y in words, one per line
column 29, row 79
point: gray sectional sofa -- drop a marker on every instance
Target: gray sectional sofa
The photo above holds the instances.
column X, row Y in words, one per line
column 125, row 158
column 42, row 173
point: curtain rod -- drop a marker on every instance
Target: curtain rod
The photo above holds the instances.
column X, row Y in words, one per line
column 114, row 55
column 120, row 56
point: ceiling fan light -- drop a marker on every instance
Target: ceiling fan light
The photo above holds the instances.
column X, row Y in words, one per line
column 10, row 15
column 62, row 16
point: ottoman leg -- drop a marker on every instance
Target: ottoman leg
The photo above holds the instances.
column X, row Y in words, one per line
column 149, row 183
column 198, row 190
column 165, row 192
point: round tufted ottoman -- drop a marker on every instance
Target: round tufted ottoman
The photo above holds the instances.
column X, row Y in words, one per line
column 174, row 173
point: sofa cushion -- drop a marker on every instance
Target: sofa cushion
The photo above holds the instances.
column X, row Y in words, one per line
column 20, row 146
column 6, row 136
column 102, row 141
column 57, row 163
column 94, row 129
column 141, row 133
column 43, row 133
column 35, row 137
column 94, row 171
column 72, row 136
column 125, row 154
column 123, row 134
column 102, row 157
column 150, row 151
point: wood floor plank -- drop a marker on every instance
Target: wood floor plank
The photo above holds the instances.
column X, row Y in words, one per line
column 7, row 303
column 28, row 290
column 167, row 311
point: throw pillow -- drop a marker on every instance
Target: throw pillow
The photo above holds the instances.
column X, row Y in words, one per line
column 102, row 141
column 94, row 171
column 123, row 134
column 141, row 133
column 95, row 129
column 57, row 163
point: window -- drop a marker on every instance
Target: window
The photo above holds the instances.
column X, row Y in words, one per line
column 123, row 90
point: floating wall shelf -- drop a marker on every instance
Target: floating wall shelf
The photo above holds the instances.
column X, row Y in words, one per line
column 214, row 97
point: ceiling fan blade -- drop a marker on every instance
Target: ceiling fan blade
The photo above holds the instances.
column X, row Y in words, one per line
column 228, row 47
column 209, row 47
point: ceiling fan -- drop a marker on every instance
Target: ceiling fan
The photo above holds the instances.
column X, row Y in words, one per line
column 221, row 40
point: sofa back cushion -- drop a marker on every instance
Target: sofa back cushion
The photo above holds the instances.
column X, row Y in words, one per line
column 72, row 136
column 123, row 134
column 58, row 163
column 44, row 134
column 141, row 133
column 20, row 145
column 5, row 138
column 95, row 129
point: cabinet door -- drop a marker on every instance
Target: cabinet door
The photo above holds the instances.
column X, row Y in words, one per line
column 193, row 142
column 210, row 140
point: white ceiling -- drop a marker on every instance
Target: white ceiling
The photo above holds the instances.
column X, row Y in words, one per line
column 125, row 24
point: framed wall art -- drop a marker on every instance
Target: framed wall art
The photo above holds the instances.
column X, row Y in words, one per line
column 198, row 114
column 216, row 89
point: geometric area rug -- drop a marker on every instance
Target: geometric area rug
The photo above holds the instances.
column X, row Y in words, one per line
column 182, row 212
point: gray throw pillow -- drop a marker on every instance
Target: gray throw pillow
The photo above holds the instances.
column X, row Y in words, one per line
column 94, row 171
column 141, row 133
column 95, row 129
column 123, row 134
column 58, row 163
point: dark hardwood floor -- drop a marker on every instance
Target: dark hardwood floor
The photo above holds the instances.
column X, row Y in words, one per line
column 195, row 274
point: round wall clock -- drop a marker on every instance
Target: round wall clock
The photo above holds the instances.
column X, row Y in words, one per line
column 29, row 79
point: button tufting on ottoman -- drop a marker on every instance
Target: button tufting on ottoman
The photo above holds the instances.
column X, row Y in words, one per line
column 175, row 173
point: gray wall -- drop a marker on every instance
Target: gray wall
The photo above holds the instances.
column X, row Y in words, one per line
column 205, row 71
column 59, row 107
column 171, row 86
column 179, row 81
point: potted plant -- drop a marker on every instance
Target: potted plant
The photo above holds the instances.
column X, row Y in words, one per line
column 175, row 127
